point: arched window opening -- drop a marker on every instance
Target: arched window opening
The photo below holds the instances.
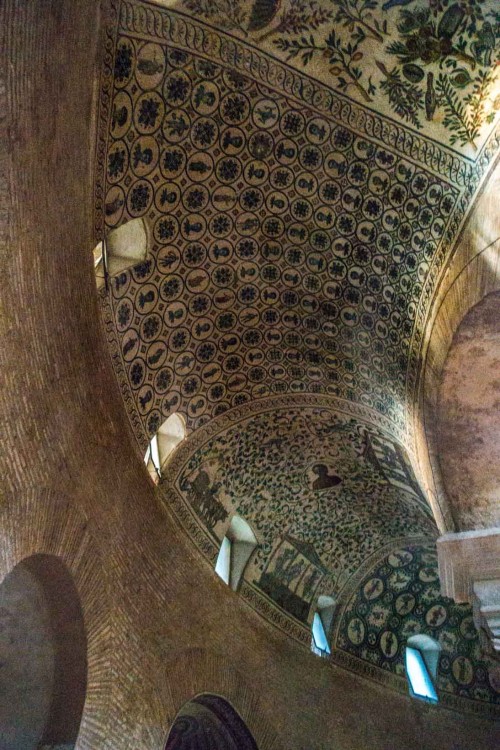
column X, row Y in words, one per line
column 235, row 551
column 321, row 624
column 163, row 444
column 421, row 661
column 122, row 248
column 43, row 679
column 209, row 721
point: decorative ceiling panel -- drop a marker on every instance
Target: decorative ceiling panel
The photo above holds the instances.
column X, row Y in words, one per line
column 300, row 212
column 400, row 597
column 295, row 236
column 341, row 486
column 430, row 65
column 337, row 512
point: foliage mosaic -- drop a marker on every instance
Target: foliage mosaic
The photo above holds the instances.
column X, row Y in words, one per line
column 399, row 598
column 337, row 511
column 323, row 492
column 288, row 252
column 430, row 64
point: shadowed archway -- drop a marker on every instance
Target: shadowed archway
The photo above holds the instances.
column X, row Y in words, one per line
column 43, row 679
column 209, row 722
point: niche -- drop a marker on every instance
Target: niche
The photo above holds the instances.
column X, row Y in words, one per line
column 43, row 678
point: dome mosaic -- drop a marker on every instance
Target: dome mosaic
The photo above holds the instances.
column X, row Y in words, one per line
column 303, row 170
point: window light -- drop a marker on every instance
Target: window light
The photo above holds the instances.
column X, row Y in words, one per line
column 153, row 455
column 236, row 549
column 321, row 625
column 420, row 680
column 223, row 564
column 421, row 660
column 123, row 248
column 162, row 445
column 319, row 635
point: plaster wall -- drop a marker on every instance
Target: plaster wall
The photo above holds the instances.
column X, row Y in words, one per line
column 469, row 418
column 473, row 273
column 160, row 626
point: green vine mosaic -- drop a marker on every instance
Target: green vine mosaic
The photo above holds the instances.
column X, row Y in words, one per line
column 307, row 477
column 433, row 64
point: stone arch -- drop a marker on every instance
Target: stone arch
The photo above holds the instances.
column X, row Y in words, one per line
column 42, row 687
column 42, row 523
column 195, row 672
column 472, row 274
column 209, row 721
column 468, row 419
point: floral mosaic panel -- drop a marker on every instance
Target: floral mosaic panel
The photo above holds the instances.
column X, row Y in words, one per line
column 431, row 65
column 322, row 492
column 337, row 511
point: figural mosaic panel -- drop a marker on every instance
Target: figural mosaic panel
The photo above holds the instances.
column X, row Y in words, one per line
column 297, row 229
column 337, row 511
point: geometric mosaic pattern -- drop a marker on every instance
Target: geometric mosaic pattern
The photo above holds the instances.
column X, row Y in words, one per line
column 288, row 251
column 294, row 241
column 399, row 598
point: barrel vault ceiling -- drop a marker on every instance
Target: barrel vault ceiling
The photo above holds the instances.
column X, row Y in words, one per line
column 303, row 169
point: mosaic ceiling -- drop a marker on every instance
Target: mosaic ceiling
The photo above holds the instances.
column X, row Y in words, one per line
column 302, row 169
column 429, row 65
column 337, row 512
column 295, row 238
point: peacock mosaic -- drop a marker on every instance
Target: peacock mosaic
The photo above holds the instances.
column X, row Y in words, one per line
column 337, row 511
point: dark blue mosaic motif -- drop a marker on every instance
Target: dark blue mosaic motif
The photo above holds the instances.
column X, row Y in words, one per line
column 399, row 598
column 311, row 234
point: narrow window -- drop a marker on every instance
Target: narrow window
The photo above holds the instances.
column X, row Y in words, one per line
column 319, row 635
column 162, row 445
column 421, row 661
column 99, row 265
column 223, row 564
column 236, row 549
column 123, row 248
column 152, row 457
column 321, row 624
